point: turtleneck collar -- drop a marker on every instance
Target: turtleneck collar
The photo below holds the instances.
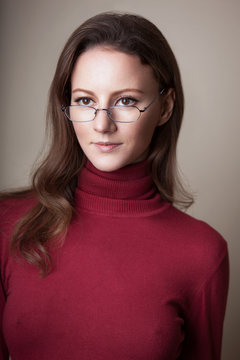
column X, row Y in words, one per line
column 127, row 191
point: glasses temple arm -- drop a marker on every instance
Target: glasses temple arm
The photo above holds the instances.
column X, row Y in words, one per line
column 160, row 93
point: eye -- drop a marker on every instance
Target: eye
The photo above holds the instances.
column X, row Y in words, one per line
column 84, row 101
column 126, row 101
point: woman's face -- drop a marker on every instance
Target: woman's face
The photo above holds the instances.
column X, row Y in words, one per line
column 103, row 77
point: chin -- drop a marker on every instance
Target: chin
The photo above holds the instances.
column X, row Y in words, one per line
column 108, row 165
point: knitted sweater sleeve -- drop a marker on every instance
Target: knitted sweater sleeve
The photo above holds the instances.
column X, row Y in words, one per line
column 205, row 317
column 4, row 355
column 3, row 348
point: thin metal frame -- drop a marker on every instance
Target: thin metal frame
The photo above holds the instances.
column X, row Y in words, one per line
column 64, row 108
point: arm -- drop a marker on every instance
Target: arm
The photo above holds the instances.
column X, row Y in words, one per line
column 3, row 349
column 204, row 323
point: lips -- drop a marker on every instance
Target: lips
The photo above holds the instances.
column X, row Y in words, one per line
column 106, row 146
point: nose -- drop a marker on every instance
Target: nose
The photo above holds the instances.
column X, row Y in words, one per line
column 102, row 122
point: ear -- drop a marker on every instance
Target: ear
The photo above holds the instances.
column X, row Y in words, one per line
column 167, row 105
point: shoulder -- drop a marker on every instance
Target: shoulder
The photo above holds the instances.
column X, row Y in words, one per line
column 198, row 253
column 200, row 246
column 191, row 228
column 12, row 208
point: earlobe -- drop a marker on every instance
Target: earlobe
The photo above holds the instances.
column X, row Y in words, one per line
column 167, row 105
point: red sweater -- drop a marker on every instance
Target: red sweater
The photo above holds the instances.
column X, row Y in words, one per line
column 135, row 279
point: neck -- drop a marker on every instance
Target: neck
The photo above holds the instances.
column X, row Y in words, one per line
column 127, row 190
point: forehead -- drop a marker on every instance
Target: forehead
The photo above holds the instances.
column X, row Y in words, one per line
column 106, row 68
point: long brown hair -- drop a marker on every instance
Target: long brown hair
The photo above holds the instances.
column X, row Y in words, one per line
column 55, row 180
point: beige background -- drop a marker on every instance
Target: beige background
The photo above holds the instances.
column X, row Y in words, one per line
column 205, row 38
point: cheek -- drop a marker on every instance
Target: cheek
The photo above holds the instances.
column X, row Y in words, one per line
column 75, row 128
column 79, row 131
column 144, row 133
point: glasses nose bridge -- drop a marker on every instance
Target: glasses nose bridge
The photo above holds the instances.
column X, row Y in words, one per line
column 103, row 109
column 104, row 124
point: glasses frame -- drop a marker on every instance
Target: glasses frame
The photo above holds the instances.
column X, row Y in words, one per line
column 108, row 110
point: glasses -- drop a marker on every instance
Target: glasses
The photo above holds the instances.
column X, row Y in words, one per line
column 121, row 114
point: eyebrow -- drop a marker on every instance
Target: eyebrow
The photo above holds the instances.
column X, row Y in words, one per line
column 114, row 93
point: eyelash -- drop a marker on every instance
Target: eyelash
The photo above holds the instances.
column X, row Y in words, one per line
column 134, row 100
column 81, row 98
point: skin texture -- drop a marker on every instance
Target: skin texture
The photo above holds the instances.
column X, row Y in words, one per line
column 103, row 77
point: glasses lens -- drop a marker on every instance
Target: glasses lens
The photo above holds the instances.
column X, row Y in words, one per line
column 86, row 113
column 124, row 114
column 80, row 113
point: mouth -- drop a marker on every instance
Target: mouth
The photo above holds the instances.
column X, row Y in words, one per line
column 106, row 146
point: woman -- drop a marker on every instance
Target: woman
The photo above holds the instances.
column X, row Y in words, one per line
column 124, row 274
